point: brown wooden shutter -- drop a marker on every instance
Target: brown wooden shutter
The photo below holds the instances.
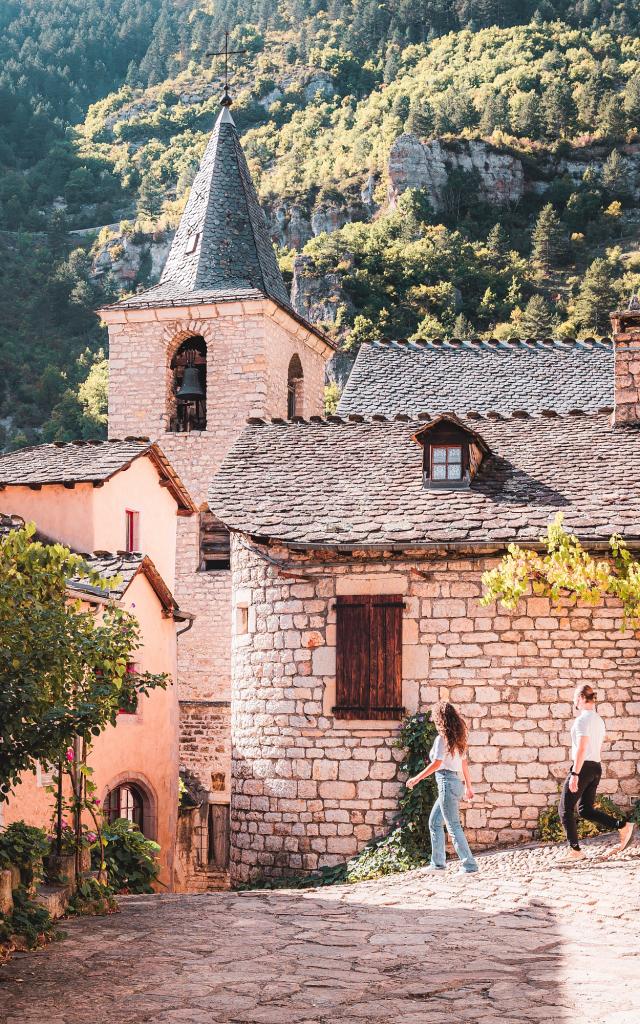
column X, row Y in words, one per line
column 369, row 657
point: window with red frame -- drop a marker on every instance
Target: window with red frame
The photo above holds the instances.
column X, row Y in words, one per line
column 132, row 668
column 446, row 462
column 132, row 524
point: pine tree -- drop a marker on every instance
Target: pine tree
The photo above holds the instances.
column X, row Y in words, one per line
column 421, row 120
column 559, row 110
column 632, row 99
column 537, row 319
column 525, row 114
column 596, row 298
column 548, row 241
column 616, row 176
column 611, row 116
column 150, row 198
column 495, row 114
column 462, row 327
column 497, row 241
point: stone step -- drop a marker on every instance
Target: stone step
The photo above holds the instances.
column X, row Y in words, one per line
column 54, row 898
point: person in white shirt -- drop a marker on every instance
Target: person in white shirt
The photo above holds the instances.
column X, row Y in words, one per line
column 448, row 761
column 581, row 786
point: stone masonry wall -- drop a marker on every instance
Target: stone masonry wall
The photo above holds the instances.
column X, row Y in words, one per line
column 249, row 346
column 309, row 790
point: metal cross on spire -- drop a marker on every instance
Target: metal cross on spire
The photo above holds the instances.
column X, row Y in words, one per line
column 226, row 100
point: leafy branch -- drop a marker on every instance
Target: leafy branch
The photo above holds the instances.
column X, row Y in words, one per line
column 563, row 569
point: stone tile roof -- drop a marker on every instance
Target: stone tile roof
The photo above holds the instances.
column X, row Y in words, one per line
column 392, row 377
column 123, row 567
column 341, row 482
column 8, row 523
column 222, row 247
column 87, row 462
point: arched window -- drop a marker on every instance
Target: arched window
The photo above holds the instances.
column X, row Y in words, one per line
column 189, row 386
column 295, row 383
column 126, row 801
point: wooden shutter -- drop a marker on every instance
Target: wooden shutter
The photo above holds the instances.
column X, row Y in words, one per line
column 369, row 657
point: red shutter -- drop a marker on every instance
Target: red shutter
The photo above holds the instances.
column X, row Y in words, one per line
column 369, row 657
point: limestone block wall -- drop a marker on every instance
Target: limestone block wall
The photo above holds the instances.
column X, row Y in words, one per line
column 309, row 790
column 249, row 347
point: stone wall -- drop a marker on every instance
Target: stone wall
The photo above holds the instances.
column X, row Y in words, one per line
column 249, row 347
column 310, row 790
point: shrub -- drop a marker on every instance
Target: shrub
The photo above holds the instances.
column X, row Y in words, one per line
column 550, row 828
column 92, row 898
column 129, row 856
column 24, row 846
column 29, row 919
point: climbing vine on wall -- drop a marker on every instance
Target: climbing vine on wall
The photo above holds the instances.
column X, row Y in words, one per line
column 563, row 569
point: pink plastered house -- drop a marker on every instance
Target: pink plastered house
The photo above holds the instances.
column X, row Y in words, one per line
column 117, row 501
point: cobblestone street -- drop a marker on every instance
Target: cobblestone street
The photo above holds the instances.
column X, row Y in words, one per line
column 525, row 940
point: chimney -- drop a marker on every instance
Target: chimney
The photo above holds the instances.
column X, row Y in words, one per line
column 626, row 348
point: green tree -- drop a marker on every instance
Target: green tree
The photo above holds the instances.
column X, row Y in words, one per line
column 597, row 297
column 497, row 241
column 537, row 319
column 150, row 197
column 616, row 176
column 559, row 110
column 548, row 240
column 63, row 671
column 612, row 119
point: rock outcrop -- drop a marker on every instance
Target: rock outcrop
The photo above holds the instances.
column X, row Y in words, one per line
column 427, row 165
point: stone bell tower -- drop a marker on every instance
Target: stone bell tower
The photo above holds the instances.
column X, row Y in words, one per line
column 214, row 342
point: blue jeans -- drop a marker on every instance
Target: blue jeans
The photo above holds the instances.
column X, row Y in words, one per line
column 446, row 811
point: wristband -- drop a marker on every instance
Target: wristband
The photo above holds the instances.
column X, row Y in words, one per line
column 577, row 774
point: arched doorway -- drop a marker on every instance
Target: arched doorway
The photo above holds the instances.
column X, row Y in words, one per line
column 188, row 393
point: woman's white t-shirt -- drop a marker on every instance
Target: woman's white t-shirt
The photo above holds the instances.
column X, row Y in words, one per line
column 588, row 723
column 440, row 752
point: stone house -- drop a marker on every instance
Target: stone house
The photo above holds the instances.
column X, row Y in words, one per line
column 335, row 564
column 112, row 499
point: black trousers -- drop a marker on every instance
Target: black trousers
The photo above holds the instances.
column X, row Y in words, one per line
column 583, row 802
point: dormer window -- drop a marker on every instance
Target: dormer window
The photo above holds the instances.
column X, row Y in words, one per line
column 452, row 453
column 446, row 462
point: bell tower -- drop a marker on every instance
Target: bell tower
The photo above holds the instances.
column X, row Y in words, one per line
column 190, row 359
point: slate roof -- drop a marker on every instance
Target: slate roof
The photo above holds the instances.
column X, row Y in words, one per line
column 9, row 523
column 87, row 462
column 233, row 256
column 407, row 377
column 123, row 567
column 359, row 484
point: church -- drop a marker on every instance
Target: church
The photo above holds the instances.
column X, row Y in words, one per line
column 334, row 567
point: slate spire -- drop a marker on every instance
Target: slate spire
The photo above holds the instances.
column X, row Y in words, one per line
column 222, row 244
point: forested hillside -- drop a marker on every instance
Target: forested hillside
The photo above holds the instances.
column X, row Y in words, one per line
column 428, row 168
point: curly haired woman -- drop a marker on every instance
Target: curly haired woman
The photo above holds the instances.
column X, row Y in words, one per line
column 448, row 761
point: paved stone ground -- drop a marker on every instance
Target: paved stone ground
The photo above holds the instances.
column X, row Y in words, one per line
column 525, row 940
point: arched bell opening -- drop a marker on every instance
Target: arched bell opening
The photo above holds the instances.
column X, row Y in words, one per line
column 295, row 386
column 189, row 386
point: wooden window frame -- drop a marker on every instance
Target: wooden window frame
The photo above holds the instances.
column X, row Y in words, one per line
column 447, row 463
column 132, row 530
column 369, row 657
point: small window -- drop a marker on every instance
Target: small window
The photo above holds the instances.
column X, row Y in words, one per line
column 369, row 657
column 132, row 529
column 193, row 242
column 125, row 801
column 446, row 462
column 132, row 707
column 242, row 619
column 215, row 544
column 295, row 386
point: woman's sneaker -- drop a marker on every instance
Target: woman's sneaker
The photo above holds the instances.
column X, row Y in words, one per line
column 626, row 833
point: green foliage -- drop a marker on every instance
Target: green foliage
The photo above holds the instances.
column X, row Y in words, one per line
column 550, row 827
column 63, row 673
column 130, row 857
column 29, row 919
column 566, row 571
column 92, row 899
column 24, row 846
column 331, row 398
column 597, row 297
column 548, row 240
column 537, row 319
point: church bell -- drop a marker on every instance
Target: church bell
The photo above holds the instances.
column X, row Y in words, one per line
column 191, row 389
